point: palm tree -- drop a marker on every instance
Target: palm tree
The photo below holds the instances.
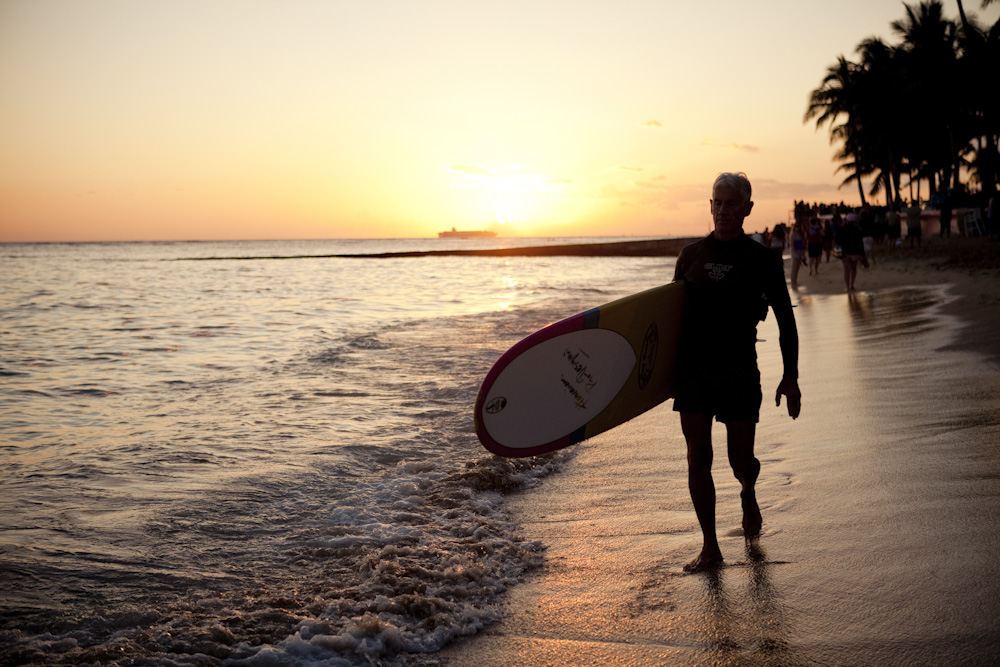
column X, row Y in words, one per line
column 948, row 112
column 979, row 62
column 883, row 129
column 837, row 102
column 859, row 102
column 961, row 12
column 929, row 54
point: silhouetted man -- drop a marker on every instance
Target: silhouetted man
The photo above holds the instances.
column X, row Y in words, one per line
column 730, row 282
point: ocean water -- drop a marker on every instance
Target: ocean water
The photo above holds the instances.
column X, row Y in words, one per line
column 264, row 461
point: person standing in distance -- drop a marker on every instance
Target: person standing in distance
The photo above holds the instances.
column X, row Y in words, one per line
column 730, row 282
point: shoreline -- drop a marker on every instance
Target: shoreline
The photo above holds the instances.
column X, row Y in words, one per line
column 655, row 248
column 669, row 247
column 971, row 266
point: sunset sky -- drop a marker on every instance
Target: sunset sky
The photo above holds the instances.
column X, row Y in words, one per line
column 246, row 119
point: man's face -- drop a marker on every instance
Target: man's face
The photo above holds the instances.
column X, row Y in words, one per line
column 728, row 211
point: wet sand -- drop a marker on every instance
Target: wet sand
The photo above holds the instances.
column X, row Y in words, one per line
column 971, row 268
column 880, row 503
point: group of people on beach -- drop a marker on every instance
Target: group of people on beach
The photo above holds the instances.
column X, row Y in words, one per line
column 809, row 241
column 850, row 234
column 849, row 237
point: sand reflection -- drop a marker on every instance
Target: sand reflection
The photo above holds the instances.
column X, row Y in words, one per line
column 744, row 619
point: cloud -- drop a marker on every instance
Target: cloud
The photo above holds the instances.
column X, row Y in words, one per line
column 652, row 123
column 468, row 169
column 765, row 188
column 507, row 178
column 504, row 171
column 743, row 148
column 518, row 169
column 614, row 171
column 657, row 184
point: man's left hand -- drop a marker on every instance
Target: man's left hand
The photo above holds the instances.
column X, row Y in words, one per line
column 790, row 388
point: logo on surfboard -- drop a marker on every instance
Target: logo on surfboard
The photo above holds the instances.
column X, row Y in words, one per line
column 585, row 379
column 496, row 405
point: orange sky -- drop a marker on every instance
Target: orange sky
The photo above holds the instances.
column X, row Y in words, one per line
column 246, row 119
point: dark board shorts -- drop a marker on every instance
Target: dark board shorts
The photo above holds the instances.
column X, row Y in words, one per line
column 728, row 394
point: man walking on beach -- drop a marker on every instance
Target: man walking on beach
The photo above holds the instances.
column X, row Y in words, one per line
column 731, row 281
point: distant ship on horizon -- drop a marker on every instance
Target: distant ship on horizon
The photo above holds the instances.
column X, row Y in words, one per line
column 471, row 234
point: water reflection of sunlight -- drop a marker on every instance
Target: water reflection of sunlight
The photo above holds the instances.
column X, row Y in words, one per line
column 828, row 352
column 508, row 287
column 893, row 312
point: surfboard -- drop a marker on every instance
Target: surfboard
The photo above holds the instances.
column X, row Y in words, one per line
column 582, row 375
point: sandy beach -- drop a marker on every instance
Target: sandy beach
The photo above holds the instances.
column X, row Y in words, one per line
column 880, row 543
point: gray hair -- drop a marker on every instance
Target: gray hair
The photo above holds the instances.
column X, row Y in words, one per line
column 737, row 181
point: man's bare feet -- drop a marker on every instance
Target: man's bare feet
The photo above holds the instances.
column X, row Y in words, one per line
column 708, row 559
column 752, row 520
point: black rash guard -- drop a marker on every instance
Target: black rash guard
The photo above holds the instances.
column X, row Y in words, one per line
column 727, row 284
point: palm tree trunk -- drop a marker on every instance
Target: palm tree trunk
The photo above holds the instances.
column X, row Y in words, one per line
column 987, row 176
column 896, row 179
column 950, row 173
column 961, row 13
